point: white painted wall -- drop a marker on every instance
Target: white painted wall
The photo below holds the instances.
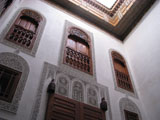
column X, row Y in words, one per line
column 49, row 51
column 143, row 49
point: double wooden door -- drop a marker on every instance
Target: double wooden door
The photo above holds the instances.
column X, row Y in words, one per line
column 62, row 108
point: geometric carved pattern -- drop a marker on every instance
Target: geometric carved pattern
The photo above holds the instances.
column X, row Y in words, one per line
column 104, row 9
column 17, row 63
column 79, row 33
column 121, row 72
column 24, row 31
column 128, row 105
column 78, row 50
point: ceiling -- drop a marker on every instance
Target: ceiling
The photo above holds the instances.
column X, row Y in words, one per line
column 118, row 17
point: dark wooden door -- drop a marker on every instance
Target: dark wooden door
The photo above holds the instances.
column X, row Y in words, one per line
column 62, row 108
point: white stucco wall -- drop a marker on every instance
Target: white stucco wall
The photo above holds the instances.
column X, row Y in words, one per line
column 143, row 49
column 49, row 51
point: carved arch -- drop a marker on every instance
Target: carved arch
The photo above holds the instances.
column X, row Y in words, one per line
column 129, row 105
column 15, row 62
column 77, row 90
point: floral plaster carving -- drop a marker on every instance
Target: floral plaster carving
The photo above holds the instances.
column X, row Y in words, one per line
column 18, row 63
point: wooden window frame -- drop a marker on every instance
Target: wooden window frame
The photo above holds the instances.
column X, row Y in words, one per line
column 21, row 35
column 84, row 65
column 129, row 113
column 16, row 78
column 123, row 79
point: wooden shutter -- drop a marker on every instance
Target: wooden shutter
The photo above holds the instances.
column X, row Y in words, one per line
column 71, row 43
column 91, row 113
column 130, row 115
column 82, row 48
column 62, row 108
column 9, row 79
column 121, row 72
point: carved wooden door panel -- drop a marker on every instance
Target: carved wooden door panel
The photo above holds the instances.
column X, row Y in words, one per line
column 62, row 108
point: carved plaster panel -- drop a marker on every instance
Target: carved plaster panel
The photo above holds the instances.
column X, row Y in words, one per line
column 78, row 90
column 62, row 84
column 92, row 97
column 3, row 39
column 129, row 105
column 75, row 88
column 18, row 63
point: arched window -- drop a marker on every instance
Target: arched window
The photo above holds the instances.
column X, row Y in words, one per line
column 25, row 29
column 129, row 110
column 78, row 50
column 121, row 71
column 4, row 4
column 9, row 79
column 14, row 72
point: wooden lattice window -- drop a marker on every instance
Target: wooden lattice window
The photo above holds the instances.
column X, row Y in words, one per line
column 9, row 79
column 130, row 115
column 24, row 30
column 121, row 72
column 4, row 4
column 78, row 50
